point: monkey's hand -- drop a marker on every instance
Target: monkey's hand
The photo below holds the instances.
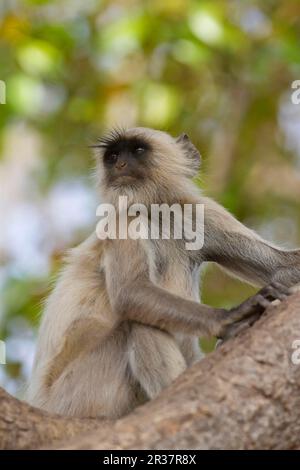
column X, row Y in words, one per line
column 247, row 313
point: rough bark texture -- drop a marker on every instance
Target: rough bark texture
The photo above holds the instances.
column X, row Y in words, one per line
column 245, row 395
column 24, row 427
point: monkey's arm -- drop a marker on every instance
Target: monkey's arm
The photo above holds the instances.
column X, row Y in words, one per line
column 133, row 296
column 241, row 251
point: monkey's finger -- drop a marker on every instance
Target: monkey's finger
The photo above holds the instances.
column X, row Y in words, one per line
column 275, row 291
column 233, row 331
column 262, row 302
column 282, row 287
column 236, row 328
column 253, row 319
column 254, row 305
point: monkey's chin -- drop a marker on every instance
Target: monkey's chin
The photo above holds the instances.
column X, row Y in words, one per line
column 126, row 181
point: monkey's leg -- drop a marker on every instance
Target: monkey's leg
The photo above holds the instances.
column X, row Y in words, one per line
column 88, row 377
column 155, row 358
column 82, row 335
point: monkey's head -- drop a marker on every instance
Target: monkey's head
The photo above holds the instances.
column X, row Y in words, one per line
column 144, row 163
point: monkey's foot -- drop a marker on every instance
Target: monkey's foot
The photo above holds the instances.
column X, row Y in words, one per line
column 247, row 313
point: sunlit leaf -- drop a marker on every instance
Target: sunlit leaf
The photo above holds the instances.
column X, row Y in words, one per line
column 190, row 53
column 159, row 105
column 38, row 58
column 206, row 26
column 25, row 94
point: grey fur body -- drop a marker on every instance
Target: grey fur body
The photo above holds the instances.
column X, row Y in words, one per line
column 125, row 316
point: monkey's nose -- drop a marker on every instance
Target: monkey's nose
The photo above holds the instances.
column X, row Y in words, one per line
column 121, row 164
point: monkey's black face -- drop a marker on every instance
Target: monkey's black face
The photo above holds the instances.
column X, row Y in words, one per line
column 126, row 159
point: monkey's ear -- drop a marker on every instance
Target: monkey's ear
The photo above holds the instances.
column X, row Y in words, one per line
column 191, row 152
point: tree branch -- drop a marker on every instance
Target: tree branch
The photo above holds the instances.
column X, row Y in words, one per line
column 25, row 427
column 245, row 395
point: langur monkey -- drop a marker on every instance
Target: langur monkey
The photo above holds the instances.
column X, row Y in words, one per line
column 125, row 316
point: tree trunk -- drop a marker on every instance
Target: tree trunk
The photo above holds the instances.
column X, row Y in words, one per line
column 245, row 395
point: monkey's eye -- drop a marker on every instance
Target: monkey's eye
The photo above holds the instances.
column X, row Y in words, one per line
column 139, row 150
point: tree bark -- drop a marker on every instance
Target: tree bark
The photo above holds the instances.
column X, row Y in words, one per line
column 245, row 395
column 25, row 427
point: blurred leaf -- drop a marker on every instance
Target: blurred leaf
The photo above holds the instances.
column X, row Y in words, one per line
column 160, row 105
column 206, row 25
column 39, row 58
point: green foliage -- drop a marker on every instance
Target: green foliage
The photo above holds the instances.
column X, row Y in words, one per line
column 220, row 71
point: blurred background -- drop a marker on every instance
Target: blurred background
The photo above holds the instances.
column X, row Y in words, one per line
column 220, row 71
